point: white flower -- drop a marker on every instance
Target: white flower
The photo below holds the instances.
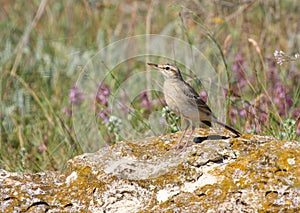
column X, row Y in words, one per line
column 279, row 56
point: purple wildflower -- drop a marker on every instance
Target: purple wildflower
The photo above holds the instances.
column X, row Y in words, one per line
column 103, row 115
column 282, row 100
column 42, row 147
column 102, row 94
column 68, row 111
column 102, row 107
column 243, row 113
column 145, row 102
column 75, row 96
column 238, row 69
column 232, row 114
column 203, row 96
column 296, row 113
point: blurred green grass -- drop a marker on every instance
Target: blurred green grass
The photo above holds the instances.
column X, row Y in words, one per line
column 36, row 132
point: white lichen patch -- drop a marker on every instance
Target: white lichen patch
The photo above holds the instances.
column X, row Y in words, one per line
column 164, row 194
column 71, row 178
column 205, row 179
column 291, row 161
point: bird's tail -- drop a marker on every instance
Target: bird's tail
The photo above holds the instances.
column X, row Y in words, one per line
column 237, row 133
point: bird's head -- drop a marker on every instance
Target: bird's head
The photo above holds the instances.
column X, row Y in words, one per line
column 168, row 70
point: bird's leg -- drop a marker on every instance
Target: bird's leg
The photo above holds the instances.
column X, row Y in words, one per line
column 187, row 141
column 182, row 135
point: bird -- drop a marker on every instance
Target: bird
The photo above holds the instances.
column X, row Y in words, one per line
column 184, row 101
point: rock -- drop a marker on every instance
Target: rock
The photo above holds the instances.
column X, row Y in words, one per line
column 247, row 174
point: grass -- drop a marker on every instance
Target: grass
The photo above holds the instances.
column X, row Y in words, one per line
column 44, row 50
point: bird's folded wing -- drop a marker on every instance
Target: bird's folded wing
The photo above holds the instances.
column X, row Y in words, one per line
column 195, row 98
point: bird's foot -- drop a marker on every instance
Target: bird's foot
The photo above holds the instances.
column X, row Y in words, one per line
column 181, row 148
column 176, row 147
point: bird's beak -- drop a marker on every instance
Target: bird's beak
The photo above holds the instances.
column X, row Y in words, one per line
column 153, row 65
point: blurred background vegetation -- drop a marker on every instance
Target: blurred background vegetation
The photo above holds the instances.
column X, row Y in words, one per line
column 44, row 45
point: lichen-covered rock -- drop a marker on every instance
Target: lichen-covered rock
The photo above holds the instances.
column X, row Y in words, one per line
column 247, row 174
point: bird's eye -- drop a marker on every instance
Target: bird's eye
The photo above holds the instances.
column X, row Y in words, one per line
column 167, row 68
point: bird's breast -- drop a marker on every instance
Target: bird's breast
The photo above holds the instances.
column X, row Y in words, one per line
column 180, row 103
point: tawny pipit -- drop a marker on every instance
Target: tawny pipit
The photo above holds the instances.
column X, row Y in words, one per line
column 184, row 101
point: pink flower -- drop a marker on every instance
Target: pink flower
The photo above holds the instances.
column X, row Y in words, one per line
column 145, row 102
column 103, row 116
column 75, row 96
column 238, row 69
column 203, row 96
column 232, row 113
column 102, row 94
column 68, row 111
column 243, row 113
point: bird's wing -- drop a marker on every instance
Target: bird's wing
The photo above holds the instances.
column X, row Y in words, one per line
column 195, row 98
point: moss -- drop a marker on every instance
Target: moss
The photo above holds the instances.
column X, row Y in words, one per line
column 264, row 175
